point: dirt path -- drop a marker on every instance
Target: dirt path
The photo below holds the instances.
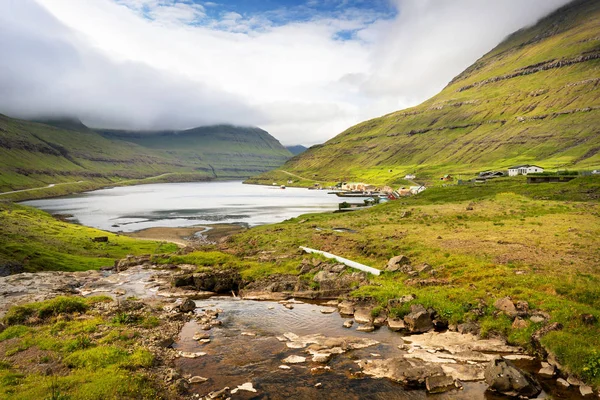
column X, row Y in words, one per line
column 41, row 187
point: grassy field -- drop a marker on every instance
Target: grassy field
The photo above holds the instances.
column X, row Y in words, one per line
column 39, row 242
column 515, row 105
column 537, row 243
column 66, row 349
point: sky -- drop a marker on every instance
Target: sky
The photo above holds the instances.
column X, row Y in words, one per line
column 304, row 70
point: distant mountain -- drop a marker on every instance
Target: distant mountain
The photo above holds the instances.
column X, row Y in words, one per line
column 34, row 154
column 534, row 99
column 295, row 150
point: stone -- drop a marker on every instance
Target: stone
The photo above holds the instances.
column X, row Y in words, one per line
column 522, row 308
column 189, row 354
column 506, row 305
column 100, row 239
column 588, row 319
column 322, row 358
column 218, row 281
column 365, row 328
column 362, row 315
column 395, row 324
column 419, row 320
column 547, row 370
column 439, row 384
column 519, row 323
column 574, row 381
column 504, row 377
column 348, row 323
column 393, row 303
column 181, row 386
column 536, row 319
column 328, row 310
column 411, row 372
column 285, row 367
column 188, row 305
column 201, row 336
column 294, row 360
column 562, row 382
column 346, row 308
column 172, row 375
column 395, row 262
column 218, row 394
column 246, row 387
column 425, row 268
column 586, row 390
column 468, row 327
column 380, row 319
column 197, row 379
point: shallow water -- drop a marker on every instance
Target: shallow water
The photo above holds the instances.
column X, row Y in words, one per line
column 132, row 208
column 233, row 359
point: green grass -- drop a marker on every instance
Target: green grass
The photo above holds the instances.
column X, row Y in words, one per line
column 107, row 365
column 488, row 127
column 39, row 242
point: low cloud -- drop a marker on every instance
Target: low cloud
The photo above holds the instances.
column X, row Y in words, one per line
column 166, row 64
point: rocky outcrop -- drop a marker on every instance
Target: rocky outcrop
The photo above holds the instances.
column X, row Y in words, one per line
column 419, row 320
column 11, row 268
column 504, row 377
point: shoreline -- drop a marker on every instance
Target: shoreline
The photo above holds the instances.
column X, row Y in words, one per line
column 188, row 236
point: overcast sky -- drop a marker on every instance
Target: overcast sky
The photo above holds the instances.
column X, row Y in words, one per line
column 304, row 70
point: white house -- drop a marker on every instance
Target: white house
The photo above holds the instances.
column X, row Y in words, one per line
column 524, row 170
column 410, row 176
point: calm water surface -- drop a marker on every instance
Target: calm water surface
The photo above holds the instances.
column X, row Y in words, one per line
column 133, row 208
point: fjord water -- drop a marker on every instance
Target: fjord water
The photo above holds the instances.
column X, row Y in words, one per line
column 132, row 208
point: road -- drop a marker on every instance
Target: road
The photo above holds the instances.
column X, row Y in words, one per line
column 42, row 187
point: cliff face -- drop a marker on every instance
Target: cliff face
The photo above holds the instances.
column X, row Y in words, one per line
column 532, row 99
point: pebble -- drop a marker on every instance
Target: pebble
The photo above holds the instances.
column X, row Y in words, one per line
column 248, row 334
column 294, row 359
column 348, row 323
column 188, row 354
column 285, row 367
column 562, row 382
column 197, row 379
column 246, row 386
column 365, row 328
column 328, row 310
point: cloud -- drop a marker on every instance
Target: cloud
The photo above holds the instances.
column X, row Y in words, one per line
column 304, row 73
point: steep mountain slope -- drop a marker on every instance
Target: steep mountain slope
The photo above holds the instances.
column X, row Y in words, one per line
column 295, row 150
column 36, row 154
column 532, row 99
column 228, row 151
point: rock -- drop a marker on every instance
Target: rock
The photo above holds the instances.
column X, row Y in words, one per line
column 189, row 354
column 394, row 303
column 419, row 320
column 396, row 263
column 322, row 357
column 588, row 319
column 294, row 360
column 410, row 372
column 522, row 308
column 201, row 336
column 218, row 281
column 536, row 319
column 328, row 310
column 172, row 375
column 188, row 305
column 421, row 269
column 365, row 328
column 439, row 384
column 562, row 382
column 252, row 334
column 348, row 323
column 519, row 323
column 246, row 387
column 346, row 308
column 586, row 390
column 218, row 394
column 288, row 306
column 181, row 386
column 547, row 370
column 323, row 276
column 362, row 315
column 380, row 319
column 504, row 377
column 318, row 385
column 396, row 324
column 574, row 381
column 506, row 305
column 182, row 280
column 100, row 239
column 468, row 327
column 197, row 379
column 285, row 367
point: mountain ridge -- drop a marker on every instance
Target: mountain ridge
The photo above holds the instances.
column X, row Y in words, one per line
column 531, row 99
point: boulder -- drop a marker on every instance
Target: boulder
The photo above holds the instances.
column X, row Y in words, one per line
column 504, row 377
column 182, row 280
column 547, row 370
column 586, row 390
column 380, row 319
column 468, row 327
column 419, row 320
column 506, row 305
column 346, row 308
column 188, row 305
column 366, row 328
column 396, row 263
column 395, row 324
column 362, row 315
column 519, row 323
column 439, row 384
column 218, row 281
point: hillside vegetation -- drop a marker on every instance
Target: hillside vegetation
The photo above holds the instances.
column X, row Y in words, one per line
column 36, row 154
column 532, row 99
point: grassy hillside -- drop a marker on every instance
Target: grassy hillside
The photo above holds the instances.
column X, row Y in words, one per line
column 36, row 241
column 34, row 154
column 532, row 99
column 226, row 150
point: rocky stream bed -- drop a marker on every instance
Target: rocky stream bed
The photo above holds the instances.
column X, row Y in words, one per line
column 264, row 343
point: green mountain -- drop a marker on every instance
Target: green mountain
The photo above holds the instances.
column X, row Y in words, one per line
column 295, row 150
column 35, row 154
column 533, row 99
